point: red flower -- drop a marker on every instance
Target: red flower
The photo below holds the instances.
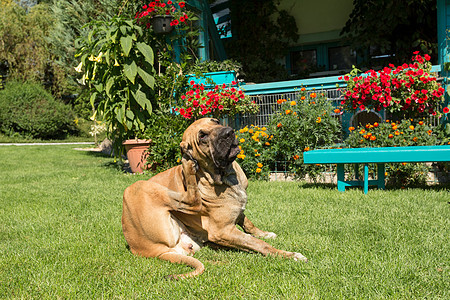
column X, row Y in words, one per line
column 446, row 110
column 182, row 4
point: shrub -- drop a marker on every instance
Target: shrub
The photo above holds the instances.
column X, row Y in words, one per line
column 309, row 122
column 166, row 132
column 27, row 109
column 392, row 134
column 256, row 156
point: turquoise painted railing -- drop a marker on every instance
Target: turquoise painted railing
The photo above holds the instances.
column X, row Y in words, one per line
column 289, row 86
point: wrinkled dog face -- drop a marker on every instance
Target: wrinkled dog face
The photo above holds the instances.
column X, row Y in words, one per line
column 210, row 142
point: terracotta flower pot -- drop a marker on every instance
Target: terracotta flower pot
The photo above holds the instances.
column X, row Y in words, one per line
column 137, row 154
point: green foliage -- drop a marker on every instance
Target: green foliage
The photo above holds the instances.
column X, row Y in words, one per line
column 166, row 132
column 215, row 66
column 261, row 37
column 306, row 124
column 23, row 42
column 27, row 109
column 69, row 18
column 404, row 133
column 117, row 65
column 395, row 27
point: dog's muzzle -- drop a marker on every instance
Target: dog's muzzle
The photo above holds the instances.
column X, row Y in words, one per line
column 225, row 148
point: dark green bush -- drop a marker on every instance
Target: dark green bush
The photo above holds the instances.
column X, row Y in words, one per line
column 29, row 110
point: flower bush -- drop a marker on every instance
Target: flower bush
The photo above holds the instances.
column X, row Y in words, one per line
column 221, row 101
column 256, row 156
column 297, row 126
column 173, row 8
column 393, row 134
column 407, row 90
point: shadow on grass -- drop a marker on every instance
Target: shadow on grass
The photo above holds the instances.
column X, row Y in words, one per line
column 332, row 186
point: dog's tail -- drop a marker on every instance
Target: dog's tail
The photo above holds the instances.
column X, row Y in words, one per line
column 183, row 259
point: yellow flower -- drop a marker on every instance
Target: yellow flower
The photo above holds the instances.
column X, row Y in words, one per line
column 293, row 103
column 241, row 140
column 258, row 170
column 241, row 156
column 78, row 68
column 259, row 165
column 318, row 120
column 411, row 127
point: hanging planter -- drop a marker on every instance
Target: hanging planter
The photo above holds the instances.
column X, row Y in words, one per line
column 162, row 24
column 137, row 154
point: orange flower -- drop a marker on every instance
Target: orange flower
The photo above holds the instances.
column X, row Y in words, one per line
column 365, row 136
column 369, row 134
column 373, row 138
column 337, row 111
column 303, row 89
column 362, row 131
column 368, row 126
column 267, row 144
column 288, row 111
column 293, row 103
column 411, row 127
column 313, row 95
column 258, row 170
column 415, row 139
column 279, row 125
column 259, row 165
column 420, row 122
column 390, row 136
column 403, row 163
column 394, row 127
column 393, row 124
column 429, row 132
column 306, row 149
column 295, row 157
column 375, row 124
column 318, row 120
column 302, row 97
column 397, row 132
column 351, row 128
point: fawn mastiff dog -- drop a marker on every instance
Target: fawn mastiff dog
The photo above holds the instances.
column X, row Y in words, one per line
column 171, row 215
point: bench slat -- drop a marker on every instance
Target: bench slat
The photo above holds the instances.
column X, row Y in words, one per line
column 378, row 155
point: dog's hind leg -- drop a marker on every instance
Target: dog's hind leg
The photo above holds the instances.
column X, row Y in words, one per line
column 183, row 259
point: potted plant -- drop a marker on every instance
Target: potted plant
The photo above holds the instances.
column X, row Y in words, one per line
column 219, row 102
column 117, row 67
column 162, row 15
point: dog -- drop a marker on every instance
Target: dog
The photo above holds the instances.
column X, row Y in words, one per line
column 174, row 213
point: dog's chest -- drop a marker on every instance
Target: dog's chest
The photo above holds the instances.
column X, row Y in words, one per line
column 231, row 194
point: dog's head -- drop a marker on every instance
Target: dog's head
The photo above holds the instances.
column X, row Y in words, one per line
column 212, row 145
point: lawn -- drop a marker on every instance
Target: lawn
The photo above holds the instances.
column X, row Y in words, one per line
column 61, row 237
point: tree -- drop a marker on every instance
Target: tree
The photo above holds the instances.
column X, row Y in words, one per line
column 390, row 27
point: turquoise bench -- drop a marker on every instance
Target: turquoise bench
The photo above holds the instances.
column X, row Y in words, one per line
column 379, row 156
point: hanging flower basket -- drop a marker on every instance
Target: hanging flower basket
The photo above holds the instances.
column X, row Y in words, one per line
column 162, row 24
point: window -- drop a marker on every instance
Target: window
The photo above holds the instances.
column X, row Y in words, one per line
column 340, row 58
column 303, row 61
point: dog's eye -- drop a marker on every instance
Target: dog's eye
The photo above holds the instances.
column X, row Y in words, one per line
column 202, row 136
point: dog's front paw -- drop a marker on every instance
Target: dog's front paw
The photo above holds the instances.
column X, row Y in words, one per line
column 299, row 257
column 189, row 165
column 269, row 235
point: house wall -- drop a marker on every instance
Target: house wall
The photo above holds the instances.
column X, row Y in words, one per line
column 319, row 20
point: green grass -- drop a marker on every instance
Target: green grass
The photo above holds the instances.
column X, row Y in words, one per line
column 61, row 237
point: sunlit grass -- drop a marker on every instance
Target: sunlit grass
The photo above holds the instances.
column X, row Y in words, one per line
column 61, row 237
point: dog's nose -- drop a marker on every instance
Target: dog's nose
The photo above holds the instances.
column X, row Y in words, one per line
column 226, row 132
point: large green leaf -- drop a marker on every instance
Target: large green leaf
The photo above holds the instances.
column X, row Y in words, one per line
column 126, row 42
column 147, row 51
column 148, row 79
column 130, row 71
column 142, row 100
column 108, row 86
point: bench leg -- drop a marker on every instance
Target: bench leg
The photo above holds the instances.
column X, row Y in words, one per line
column 340, row 177
column 381, row 176
column 366, row 178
